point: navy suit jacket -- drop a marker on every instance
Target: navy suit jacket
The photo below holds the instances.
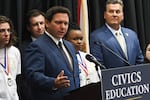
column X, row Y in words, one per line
column 42, row 63
column 26, row 43
column 103, row 39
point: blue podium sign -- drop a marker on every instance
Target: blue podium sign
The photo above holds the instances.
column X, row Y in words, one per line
column 126, row 83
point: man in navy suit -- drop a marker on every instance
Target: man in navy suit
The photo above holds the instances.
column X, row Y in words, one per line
column 35, row 23
column 113, row 45
column 49, row 75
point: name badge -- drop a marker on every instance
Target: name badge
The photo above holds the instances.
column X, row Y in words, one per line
column 9, row 81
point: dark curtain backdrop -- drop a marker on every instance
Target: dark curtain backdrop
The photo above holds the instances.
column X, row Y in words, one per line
column 136, row 14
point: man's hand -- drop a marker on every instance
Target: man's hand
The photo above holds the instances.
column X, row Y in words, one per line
column 62, row 81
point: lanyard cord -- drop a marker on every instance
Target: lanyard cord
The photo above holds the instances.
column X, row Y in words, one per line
column 5, row 65
column 82, row 64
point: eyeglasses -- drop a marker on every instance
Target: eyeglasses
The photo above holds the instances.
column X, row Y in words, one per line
column 3, row 31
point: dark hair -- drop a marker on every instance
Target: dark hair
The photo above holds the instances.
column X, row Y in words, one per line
column 145, row 50
column 33, row 13
column 57, row 9
column 72, row 26
column 114, row 2
column 13, row 38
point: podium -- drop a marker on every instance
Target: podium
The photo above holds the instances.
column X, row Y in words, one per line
column 89, row 92
column 126, row 83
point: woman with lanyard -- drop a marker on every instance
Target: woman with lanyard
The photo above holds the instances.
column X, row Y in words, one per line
column 10, row 61
column 88, row 73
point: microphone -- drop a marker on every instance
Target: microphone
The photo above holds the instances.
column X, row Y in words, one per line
column 114, row 53
column 92, row 59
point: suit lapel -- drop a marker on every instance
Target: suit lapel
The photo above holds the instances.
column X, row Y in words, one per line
column 113, row 43
column 70, row 53
column 128, row 43
column 52, row 45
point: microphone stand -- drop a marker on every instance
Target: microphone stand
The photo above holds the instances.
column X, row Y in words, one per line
column 101, row 44
column 96, row 66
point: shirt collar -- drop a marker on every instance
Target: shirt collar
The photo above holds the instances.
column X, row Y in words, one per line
column 33, row 38
column 114, row 31
column 53, row 38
